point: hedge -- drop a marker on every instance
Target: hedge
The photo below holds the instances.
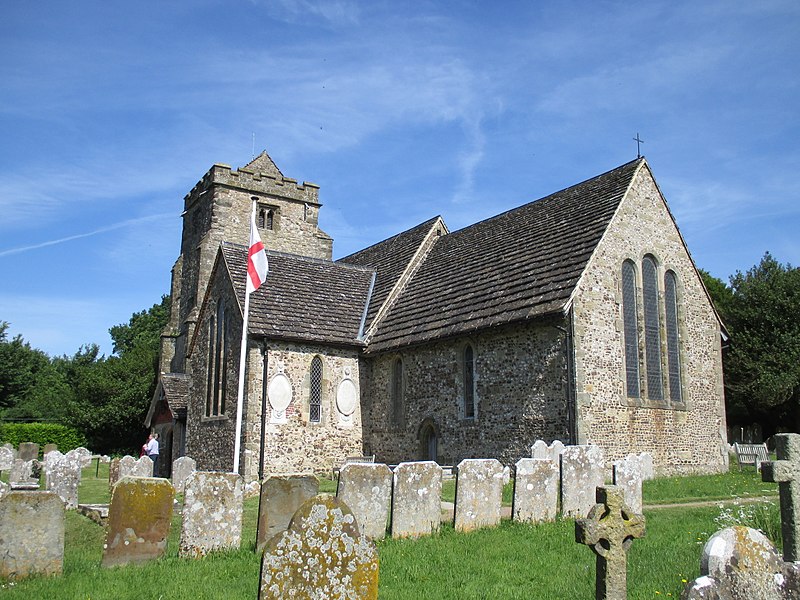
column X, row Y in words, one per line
column 66, row 438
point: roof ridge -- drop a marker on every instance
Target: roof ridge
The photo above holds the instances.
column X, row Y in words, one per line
column 303, row 257
column 393, row 237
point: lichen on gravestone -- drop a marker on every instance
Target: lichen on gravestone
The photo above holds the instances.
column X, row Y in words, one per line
column 31, row 534
column 416, row 499
column 535, row 490
column 367, row 490
column 280, row 498
column 212, row 513
column 479, row 494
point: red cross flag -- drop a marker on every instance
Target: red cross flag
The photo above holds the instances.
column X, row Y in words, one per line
column 257, row 266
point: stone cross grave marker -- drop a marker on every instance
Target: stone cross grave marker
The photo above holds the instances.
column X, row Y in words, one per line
column 182, row 469
column 786, row 473
column 321, row 556
column 535, row 490
column 610, row 529
column 31, row 534
column 138, row 520
column 479, row 494
column 212, row 513
column 582, row 472
column 416, row 501
column 281, row 496
column 367, row 490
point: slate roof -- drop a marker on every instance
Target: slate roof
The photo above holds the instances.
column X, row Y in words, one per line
column 390, row 258
column 176, row 390
column 303, row 299
column 519, row 265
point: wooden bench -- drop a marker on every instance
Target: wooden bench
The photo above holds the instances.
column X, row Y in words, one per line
column 751, row 454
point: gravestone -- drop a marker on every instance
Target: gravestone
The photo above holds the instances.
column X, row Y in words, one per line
column 81, row 455
column 63, row 475
column 138, row 520
column 367, row 490
column 7, row 456
column 739, row 563
column 582, row 472
column 786, row 473
column 4, row 489
column 24, row 474
column 212, row 513
column 628, row 476
column 322, row 555
column 479, row 494
column 535, row 490
column 540, row 449
column 28, row 451
column 609, row 529
column 182, row 468
column 113, row 472
column 416, row 501
column 646, row 462
column 281, row 496
column 31, row 534
column 49, row 448
column 132, row 467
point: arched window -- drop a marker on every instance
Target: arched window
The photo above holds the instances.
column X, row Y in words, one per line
column 673, row 342
column 652, row 330
column 217, row 362
column 315, row 391
column 264, row 217
column 630, row 319
column 210, row 371
column 396, row 393
column 469, row 382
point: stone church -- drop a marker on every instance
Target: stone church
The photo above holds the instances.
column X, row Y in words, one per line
column 579, row 317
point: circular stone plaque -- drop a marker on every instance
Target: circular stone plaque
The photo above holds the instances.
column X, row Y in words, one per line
column 346, row 397
column 280, row 392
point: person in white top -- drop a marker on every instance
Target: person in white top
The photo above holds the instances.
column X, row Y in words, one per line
column 151, row 449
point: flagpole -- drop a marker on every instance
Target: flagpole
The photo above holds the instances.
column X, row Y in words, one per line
column 237, row 445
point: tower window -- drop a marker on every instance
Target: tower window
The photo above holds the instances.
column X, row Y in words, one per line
column 265, row 217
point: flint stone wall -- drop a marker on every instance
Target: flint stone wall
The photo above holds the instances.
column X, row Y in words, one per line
column 32, row 534
column 367, row 490
column 416, row 501
column 281, row 496
column 479, row 494
column 536, row 487
column 212, row 513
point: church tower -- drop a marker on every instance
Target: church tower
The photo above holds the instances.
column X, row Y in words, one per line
column 218, row 209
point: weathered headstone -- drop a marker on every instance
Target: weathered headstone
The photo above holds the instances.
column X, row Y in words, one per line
column 7, row 456
column 113, row 472
column 62, row 476
column 479, row 494
column 4, row 489
column 739, row 563
column 786, row 472
column 540, row 449
column 182, row 469
column 31, row 534
column 281, row 497
column 582, row 472
column 366, row 489
column 48, row 448
column 609, row 529
column 212, row 513
column 535, row 490
column 322, row 555
column 28, row 451
column 23, row 473
column 646, row 462
column 81, row 455
column 416, row 500
column 138, row 520
column 132, row 467
column 628, row 476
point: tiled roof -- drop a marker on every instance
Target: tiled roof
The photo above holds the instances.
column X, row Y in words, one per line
column 176, row 390
column 390, row 258
column 303, row 299
column 518, row 265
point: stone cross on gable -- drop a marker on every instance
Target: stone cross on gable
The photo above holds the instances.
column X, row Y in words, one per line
column 786, row 473
column 609, row 529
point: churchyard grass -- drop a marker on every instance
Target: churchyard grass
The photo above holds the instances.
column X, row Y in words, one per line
column 507, row 562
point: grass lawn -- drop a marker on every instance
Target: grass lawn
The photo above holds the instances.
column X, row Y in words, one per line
column 510, row 561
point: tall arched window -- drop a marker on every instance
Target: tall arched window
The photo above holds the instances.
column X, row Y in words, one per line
column 210, row 371
column 673, row 341
column 396, row 393
column 469, row 382
column 315, row 391
column 652, row 330
column 630, row 319
column 217, row 381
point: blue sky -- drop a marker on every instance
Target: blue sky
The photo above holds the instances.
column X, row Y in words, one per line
column 111, row 111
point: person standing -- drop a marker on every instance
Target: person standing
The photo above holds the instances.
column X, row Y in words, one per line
column 151, row 448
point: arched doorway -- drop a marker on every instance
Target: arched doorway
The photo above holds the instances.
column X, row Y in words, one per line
column 429, row 440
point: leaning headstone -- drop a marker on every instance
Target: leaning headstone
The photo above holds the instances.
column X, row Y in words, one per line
column 786, row 473
column 366, row 488
column 281, row 497
column 582, row 472
column 609, row 529
column 416, row 501
column 32, row 534
column 212, row 513
column 182, row 469
column 739, row 563
column 113, row 472
column 48, row 448
column 479, row 494
column 535, row 490
column 7, row 456
column 628, row 476
column 138, row 520
column 322, row 555
column 28, row 451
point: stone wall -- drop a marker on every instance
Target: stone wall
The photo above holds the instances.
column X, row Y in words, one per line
column 682, row 438
column 520, row 387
